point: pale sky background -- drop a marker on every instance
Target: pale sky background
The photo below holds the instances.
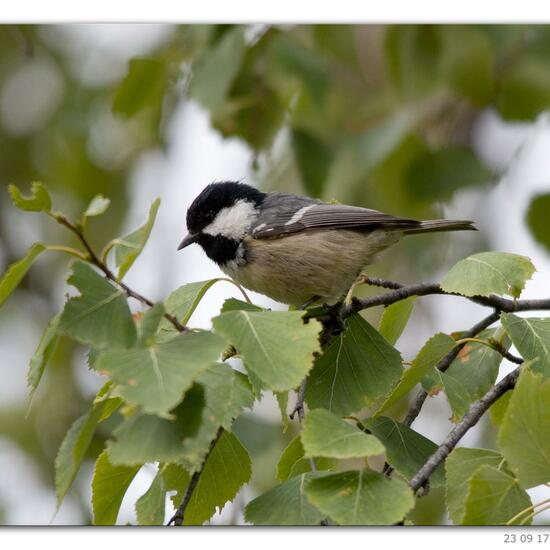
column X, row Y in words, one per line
column 197, row 155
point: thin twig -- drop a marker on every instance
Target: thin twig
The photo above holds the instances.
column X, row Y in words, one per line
column 470, row 419
column 445, row 363
column 178, row 517
column 93, row 257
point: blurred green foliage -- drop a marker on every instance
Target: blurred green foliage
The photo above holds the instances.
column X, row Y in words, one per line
column 379, row 116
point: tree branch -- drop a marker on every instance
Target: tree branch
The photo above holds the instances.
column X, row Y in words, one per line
column 94, row 258
column 445, row 363
column 178, row 517
column 469, row 420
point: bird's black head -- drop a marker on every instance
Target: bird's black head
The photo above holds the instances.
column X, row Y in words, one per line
column 220, row 216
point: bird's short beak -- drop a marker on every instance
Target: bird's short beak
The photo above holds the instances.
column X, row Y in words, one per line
column 190, row 239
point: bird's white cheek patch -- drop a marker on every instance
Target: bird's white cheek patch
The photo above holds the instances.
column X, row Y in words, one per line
column 234, row 221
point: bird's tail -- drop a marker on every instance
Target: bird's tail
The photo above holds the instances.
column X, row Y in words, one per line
column 441, row 225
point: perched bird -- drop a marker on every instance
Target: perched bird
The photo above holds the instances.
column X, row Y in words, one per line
column 294, row 249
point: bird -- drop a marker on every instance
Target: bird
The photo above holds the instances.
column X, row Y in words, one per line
column 294, row 249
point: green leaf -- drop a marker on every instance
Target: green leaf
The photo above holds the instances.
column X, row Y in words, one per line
column 157, row 377
column 428, row 357
column 150, row 506
column 150, row 323
column 214, row 74
column 537, row 219
column 226, row 393
column 314, row 160
column 227, row 469
column 468, row 63
column 293, row 463
column 282, row 401
column 498, row 408
column 147, row 438
column 232, row 304
column 100, row 316
column 39, row 201
column 523, row 436
column 489, row 273
column 109, row 486
column 43, row 353
column 494, row 498
column 97, row 206
column 436, row 175
column 461, row 464
column 413, row 57
column 406, row 450
column 142, row 89
column 258, row 336
column 176, row 479
column 324, row 434
column 285, row 504
column 75, row 445
column 361, row 497
column 129, row 247
column 524, row 90
column 473, row 373
column 357, row 368
column 531, row 337
column 395, row 318
column 17, row 270
column 182, row 302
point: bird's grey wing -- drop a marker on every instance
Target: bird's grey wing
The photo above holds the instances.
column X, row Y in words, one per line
column 280, row 218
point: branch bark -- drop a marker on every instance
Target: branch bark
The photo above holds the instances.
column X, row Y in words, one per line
column 179, row 516
column 469, row 420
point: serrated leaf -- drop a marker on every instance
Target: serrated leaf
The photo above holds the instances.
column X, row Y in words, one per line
column 531, row 336
column 98, row 205
column 43, row 353
column 324, row 434
column 459, row 468
column 406, row 450
column 17, row 270
column 109, row 485
column 258, row 336
column 176, row 478
column 227, row 469
column 361, row 497
column 232, row 304
column 293, row 463
column 147, row 438
column 285, row 504
column 129, row 247
column 428, row 357
column 39, row 200
column 75, row 445
column 156, row 377
column 537, row 220
column 489, row 273
column 473, row 372
column 494, row 498
column 357, row 368
column 523, row 436
column 395, row 318
column 150, row 506
column 182, row 302
column 100, row 316
column 226, row 393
